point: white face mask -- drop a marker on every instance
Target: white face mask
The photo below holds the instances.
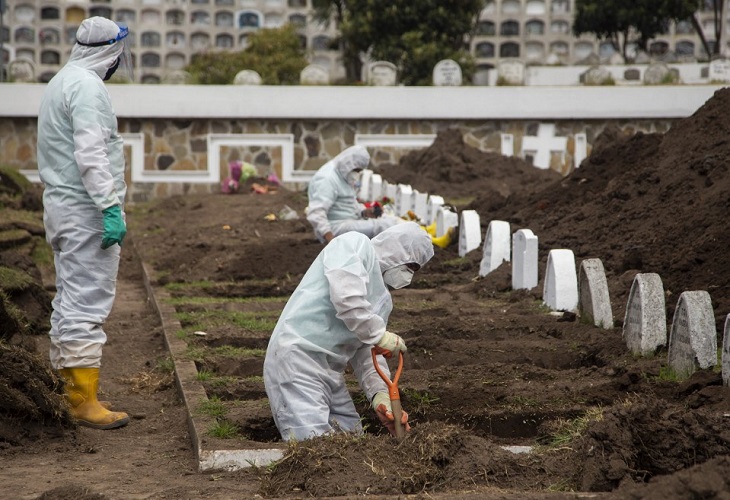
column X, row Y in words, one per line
column 398, row 277
column 353, row 179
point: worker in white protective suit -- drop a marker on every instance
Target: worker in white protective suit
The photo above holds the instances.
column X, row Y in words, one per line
column 81, row 164
column 333, row 206
column 337, row 314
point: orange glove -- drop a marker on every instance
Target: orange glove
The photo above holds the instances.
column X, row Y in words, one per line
column 390, row 344
column 384, row 411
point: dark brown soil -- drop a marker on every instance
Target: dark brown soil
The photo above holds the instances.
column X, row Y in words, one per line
column 486, row 367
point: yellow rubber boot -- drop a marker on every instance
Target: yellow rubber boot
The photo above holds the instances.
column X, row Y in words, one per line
column 445, row 240
column 431, row 229
column 81, row 387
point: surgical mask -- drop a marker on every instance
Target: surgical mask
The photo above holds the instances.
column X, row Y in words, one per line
column 111, row 70
column 398, row 277
column 353, row 179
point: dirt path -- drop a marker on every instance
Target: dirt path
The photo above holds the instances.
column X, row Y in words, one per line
column 150, row 458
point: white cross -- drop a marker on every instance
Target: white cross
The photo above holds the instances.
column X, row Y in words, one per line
column 543, row 145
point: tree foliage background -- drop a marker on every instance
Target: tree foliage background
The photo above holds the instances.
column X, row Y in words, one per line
column 637, row 21
column 413, row 35
column 275, row 54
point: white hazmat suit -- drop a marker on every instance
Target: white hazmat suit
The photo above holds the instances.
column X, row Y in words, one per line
column 81, row 164
column 333, row 206
column 336, row 315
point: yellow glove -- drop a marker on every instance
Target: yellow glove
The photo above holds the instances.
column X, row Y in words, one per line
column 384, row 411
column 390, row 344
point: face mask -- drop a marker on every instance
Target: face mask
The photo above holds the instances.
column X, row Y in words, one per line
column 398, row 277
column 353, row 179
column 111, row 70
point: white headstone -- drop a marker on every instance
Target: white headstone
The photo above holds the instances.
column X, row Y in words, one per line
column 470, row 232
column 390, row 191
column 726, row 353
column 580, row 149
column 524, row 260
column 597, row 75
column 511, row 72
column 314, row 75
column 544, row 145
column 560, row 290
column 420, row 206
column 364, row 193
column 507, row 144
column 382, row 74
column 645, row 321
column 247, row 77
column 656, row 74
column 376, row 187
column 595, row 303
column 445, row 220
column 496, row 247
column 434, row 202
column 447, row 73
column 692, row 340
column 403, row 199
column 21, row 70
column 177, row 77
column 719, row 70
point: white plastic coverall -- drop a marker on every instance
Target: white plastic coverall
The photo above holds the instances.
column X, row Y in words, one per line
column 334, row 317
column 81, row 164
column 333, row 205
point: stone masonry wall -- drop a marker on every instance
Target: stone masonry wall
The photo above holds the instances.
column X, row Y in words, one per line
column 172, row 145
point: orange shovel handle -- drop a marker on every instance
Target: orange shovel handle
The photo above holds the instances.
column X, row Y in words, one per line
column 393, row 393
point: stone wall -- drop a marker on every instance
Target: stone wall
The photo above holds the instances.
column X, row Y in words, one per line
column 172, row 145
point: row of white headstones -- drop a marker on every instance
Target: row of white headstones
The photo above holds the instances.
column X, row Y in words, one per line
column 692, row 341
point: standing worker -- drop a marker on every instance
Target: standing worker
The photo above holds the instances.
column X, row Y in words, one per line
column 337, row 314
column 81, row 164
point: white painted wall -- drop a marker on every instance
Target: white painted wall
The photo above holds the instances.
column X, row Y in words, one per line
column 425, row 103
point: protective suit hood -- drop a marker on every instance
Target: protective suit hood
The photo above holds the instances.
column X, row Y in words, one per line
column 402, row 244
column 350, row 159
column 97, row 59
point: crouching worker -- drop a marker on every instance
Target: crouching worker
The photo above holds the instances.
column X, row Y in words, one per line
column 337, row 314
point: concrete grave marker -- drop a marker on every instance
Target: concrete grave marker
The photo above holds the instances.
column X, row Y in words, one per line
column 496, row 247
column 390, row 191
column 376, row 187
column 507, row 144
column 524, row 260
column 21, row 70
column 470, row 232
column 447, row 73
column 382, row 74
column 511, row 72
column 597, row 75
column 726, row 353
column 595, row 304
column 544, row 145
column 314, row 75
column 719, row 70
column 420, row 206
column 177, row 77
column 657, row 73
column 434, row 202
column 364, row 193
column 247, row 77
column 445, row 220
column 560, row 290
column 403, row 199
column 580, row 149
column 692, row 340
column 645, row 320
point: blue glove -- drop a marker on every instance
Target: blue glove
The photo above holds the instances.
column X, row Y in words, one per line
column 114, row 227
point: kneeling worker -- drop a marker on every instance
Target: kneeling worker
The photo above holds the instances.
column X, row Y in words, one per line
column 337, row 314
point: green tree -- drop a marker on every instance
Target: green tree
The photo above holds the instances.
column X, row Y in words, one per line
column 637, row 21
column 275, row 54
column 412, row 35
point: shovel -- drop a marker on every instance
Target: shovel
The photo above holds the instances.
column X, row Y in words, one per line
column 400, row 431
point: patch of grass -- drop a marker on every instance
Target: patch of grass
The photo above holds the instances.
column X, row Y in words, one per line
column 523, row 401
column 667, row 374
column 166, row 365
column 188, row 286
column 256, row 379
column 42, row 254
column 14, row 279
column 259, row 322
column 419, row 401
column 458, row 262
column 360, row 399
column 562, row 485
column 204, row 375
column 217, row 300
column 213, row 407
column 195, row 353
column 223, row 429
column 182, row 334
column 460, row 201
column 239, row 352
column 568, row 430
